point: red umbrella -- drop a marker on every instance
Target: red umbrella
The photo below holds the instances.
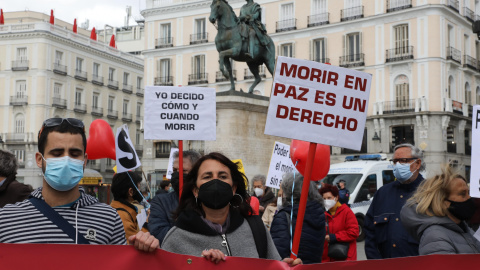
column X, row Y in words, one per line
column 52, row 18
column 2, row 21
column 112, row 41
column 75, row 26
column 93, row 35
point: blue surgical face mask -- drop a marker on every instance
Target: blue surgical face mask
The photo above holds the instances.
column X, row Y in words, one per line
column 63, row 173
column 148, row 196
column 170, row 189
column 402, row 172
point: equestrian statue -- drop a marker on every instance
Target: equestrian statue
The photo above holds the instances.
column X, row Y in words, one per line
column 242, row 39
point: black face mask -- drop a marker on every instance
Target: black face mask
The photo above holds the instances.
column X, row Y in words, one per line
column 215, row 194
column 462, row 210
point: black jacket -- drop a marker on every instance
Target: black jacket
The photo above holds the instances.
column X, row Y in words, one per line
column 12, row 191
column 160, row 219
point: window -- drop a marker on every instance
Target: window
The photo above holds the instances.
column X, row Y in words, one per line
column 164, row 69
column 137, row 138
column 162, row 149
column 318, row 50
column 286, row 50
column 125, row 106
column 287, row 16
column 319, row 7
column 451, row 87
column 79, row 64
column 166, row 33
column 78, row 96
column 125, row 78
column 477, row 49
column 111, row 103
column 19, row 124
column 96, row 69
column 368, row 188
column 466, row 44
column 57, row 90
column 20, row 155
column 353, row 46
column 468, row 142
column 139, row 82
column 402, row 134
column 58, row 57
column 451, row 37
column 21, row 89
column 139, row 109
column 401, row 39
column 200, row 29
column 402, row 92
column 111, row 74
column 387, row 177
column 199, row 65
column 22, row 54
column 451, row 142
column 468, row 94
column 96, row 98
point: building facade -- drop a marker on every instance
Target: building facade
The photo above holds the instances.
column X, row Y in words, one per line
column 48, row 71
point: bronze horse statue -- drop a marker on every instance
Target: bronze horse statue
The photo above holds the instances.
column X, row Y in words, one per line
column 231, row 45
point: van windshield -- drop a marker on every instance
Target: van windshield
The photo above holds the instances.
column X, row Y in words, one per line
column 350, row 179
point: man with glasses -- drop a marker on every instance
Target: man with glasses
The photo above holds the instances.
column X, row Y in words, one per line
column 385, row 236
column 60, row 211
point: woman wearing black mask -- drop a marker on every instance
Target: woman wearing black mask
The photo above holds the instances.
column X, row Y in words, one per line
column 213, row 219
column 436, row 215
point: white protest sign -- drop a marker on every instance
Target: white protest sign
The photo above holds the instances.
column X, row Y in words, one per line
column 180, row 113
column 280, row 163
column 126, row 156
column 170, row 162
column 475, row 170
column 318, row 103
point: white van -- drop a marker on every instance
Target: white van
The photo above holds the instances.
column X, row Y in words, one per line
column 364, row 175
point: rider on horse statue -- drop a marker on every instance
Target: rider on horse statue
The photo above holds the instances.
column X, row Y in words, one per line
column 251, row 15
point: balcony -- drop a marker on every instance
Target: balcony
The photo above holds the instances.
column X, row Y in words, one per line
column 286, row 25
column 98, row 80
column 97, row 111
column 161, row 154
column 198, row 38
column 197, row 78
column 352, row 60
column 220, row 78
column 453, row 4
column 454, row 55
column 457, row 107
column 349, row 14
column 399, row 106
column 139, row 148
column 163, row 81
column 18, row 100
column 321, row 60
column 470, row 62
column 138, row 119
column 20, row 65
column 112, row 114
column 140, row 92
column 399, row 54
column 396, row 5
column 127, row 117
column 80, row 108
column 59, row 69
column 59, row 103
column 468, row 14
column 163, row 42
column 112, row 84
column 80, row 75
column 248, row 75
column 126, row 88
column 18, row 137
column 318, row 19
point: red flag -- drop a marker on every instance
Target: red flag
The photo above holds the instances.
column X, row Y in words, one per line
column 2, row 20
column 112, row 41
column 93, row 35
column 52, row 18
column 75, row 26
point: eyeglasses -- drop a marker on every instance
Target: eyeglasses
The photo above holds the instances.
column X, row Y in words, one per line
column 401, row 160
column 53, row 122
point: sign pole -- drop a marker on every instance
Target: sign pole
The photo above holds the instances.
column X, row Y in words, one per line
column 180, row 167
column 303, row 200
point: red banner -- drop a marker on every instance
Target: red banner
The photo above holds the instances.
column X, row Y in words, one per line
column 55, row 256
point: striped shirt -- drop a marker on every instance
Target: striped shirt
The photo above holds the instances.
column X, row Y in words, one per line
column 97, row 222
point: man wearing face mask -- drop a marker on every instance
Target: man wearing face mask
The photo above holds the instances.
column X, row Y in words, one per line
column 385, row 237
column 262, row 192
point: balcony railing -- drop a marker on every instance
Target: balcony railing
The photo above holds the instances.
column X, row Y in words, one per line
column 140, row 92
column 470, row 62
column 197, row 78
column 396, row 5
column 220, row 78
column 198, row 38
column 127, row 88
column 399, row 54
column 321, row 60
column 59, row 69
column 454, row 55
column 457, row 107
column 164, row 42
column 17, row 137
column 138, row 119
column 80, row 108
column 318, row 19
column 468, row 14
column 59, row 103
column 20, row 65
column 352, row 60
column 80, row 75
column 453, row 4
column 112, row 84
column 18, row 100
column 97, row 111
column 138, row 147
column 98, row 80
column 247, row 75
column 127, row 117
column 399, row 106
column 286, row 25
column 164, row 81
column 112, row 114
column 349, row 14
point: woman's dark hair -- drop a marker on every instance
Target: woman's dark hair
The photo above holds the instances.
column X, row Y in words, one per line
column 329, row 188
column 239, row 180
column 121, row 183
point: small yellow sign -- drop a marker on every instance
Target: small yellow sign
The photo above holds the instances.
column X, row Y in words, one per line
column 90, row 181
column 241, row 169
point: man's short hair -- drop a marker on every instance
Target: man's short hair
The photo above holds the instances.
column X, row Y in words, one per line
column 8, row 163
column 261, row 178
column 64, row 127
column 164, row 184
column 416, row 153
column 190, row 154
column 121, row 183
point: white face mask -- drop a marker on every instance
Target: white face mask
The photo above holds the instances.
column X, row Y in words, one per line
column 258, row 192
column 329, row 203
column 279, row 201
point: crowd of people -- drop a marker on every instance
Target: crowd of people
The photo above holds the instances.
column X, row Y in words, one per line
column 213, row 216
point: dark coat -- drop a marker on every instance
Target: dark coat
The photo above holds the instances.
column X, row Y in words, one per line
column 343, row 195
column 161, row 191
column 385, row 237
column 12, row 191
column 266, row 199
column 313, row 232
column 160, row 219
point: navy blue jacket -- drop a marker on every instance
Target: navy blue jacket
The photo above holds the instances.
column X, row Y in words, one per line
column 343, row 195
column 313, row 232
column 385, row 236
column 160, row 219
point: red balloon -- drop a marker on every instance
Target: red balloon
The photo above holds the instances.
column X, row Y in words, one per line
column 321, row 163
column 101, row 141
column 255, row 204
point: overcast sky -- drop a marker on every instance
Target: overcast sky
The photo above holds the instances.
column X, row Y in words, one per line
column 99, row 12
